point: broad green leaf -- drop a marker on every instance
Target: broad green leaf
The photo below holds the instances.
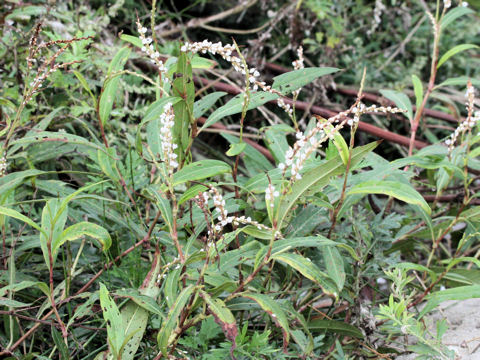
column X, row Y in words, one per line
column 191, row 192
column 453, row 15
column 110, row 87
column 223, row 316
column 200, row 170
column 81, row 229
column 172, row 318
column 134, row 323
column 308, row 269
column 397, row 190
column 107, row 163
column 265, row 234
column 453, row 51
column 276, row 141
column 54, row 217
column 401, row 100
column 236, row 149
column 16, row 215
column 334, row 265
column 320, row 177
column 461, row 80
column 160, row 199
column 201, row 106
column 10, row 181
column 13, row 303
column 418, row 89
column 235, row 106
column 293, row 80
column 199, row 62
column 134, row 40
column 338, row 327
column 458, row 293
column 26, row 11
column 111, row 314
column 184, row 88
column 57, row 136
column 144, row 301
column 24, row 285
column 272, row 308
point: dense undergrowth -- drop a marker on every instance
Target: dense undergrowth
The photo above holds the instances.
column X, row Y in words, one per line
column 166, row 196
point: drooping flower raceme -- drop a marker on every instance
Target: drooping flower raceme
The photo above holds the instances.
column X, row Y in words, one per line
column 469, row 122
column 225, row 51
column 149, row 49
column 166, row 136
column 306, row 144
column 3, row 165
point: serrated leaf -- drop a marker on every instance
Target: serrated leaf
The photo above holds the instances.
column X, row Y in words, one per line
column 453, row 51
column 172, row 318
column 272, row 308
column 200, row 170
column 293, row 80
column 401, row 101
column 308, row 269
column 397, row 190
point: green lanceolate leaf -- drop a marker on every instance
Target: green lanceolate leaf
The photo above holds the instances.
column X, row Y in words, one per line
column 134, row 322
column 400, row 191
column 319, row 177
column 308, row 269
column 272, row 308
column 61, row 346
column 223, row 316
column 16, row 215
column 200, row 170
column 454, row 14
column 81, row 229
column 418, row 89
column 235, row 106
column 236, row 149
column 453, row 51
column 184, row 88
column 334, row 265
column 338, row 327
column 110, row 87
column 296, row 79
column 163, row 204
column 111, row 314
column 165, row 333
column 54, row 217
column 201, row 106
column 401, row 100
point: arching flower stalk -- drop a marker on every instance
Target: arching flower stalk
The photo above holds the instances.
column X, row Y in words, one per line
column 306, row 144
column 150, row 50
column 470, row 121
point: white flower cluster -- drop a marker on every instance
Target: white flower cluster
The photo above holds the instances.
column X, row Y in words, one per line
column 286, row 107
column 447, row 3
column 464, row 3
column 305, row 145
column 298, row 64
column 3, row 165
column 271, row 194
column 225, row 51
column 472, row 118
column 377, row 13
column 166, row 136
column 149, row 49
column 223, row 218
